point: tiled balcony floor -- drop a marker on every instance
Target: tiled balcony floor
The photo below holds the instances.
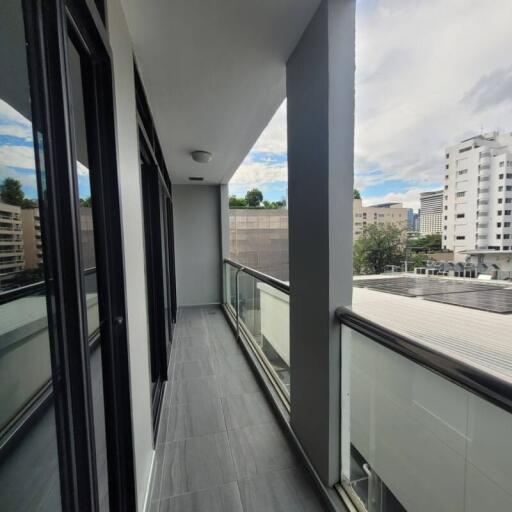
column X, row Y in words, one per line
column 220, row 448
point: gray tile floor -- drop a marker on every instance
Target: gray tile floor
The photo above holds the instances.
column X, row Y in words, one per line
column 220, row 448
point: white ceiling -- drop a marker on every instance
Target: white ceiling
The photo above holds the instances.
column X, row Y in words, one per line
column 214, row 74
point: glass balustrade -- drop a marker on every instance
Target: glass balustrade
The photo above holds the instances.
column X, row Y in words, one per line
column 262, row 307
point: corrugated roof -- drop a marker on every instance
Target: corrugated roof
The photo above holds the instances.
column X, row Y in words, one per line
column 479, row 338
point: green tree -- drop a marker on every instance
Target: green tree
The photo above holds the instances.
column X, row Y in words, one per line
column 274, row 205
column 357, row 194
column 11, row 192
column 29, row 203
column 378, row 246
column 429, row 242
column 254, row 197
column 237, row 202
column 86, row 203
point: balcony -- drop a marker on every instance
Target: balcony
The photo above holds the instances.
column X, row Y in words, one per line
column 220, row 438
column 176, row 379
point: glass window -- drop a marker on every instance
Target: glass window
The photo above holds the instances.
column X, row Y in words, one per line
column 29, row 463
column 88, row 257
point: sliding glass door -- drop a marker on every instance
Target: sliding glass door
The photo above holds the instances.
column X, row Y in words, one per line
column 159, row 275
column 65, row 419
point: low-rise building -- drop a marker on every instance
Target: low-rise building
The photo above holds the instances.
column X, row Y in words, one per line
column 11, row 243
column 32, row 243
column 384, row 213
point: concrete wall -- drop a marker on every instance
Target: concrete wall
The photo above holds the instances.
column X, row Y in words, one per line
column 197, row 240
column 259, row 239
column 134, row 259
column 320, row 91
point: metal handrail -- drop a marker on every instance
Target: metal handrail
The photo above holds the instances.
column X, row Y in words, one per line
column 483, row 384
column 260, row 276
column 30, row 289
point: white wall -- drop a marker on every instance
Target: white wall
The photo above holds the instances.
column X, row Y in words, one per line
column 437, row 446
column 131, row 210
column 197, row 241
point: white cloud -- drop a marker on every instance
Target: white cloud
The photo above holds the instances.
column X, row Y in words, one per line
column 81, row 169
column 13, row 123
column 16, row 130
column 416, row 63
column 428, row 74
column 273, row 139
column 17, row 156
column 26, row 179
column 255, row 174
column 409, row 199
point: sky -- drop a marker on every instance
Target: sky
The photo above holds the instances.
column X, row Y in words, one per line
column 17, row 153
column 429, row 73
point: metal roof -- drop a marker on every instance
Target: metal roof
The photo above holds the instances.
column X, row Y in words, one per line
column 479, row 338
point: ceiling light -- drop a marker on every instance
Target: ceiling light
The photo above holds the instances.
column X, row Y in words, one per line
column 202, row 157
column 196, row 178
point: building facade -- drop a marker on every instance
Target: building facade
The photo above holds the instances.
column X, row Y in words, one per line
column 11, row 243
column 385, row 213
column 259, row 238
column 431, row 212
column 32, row 244
column 477, row 208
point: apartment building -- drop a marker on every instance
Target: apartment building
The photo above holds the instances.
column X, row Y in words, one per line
column 431, row 212
column 477, row 203
column 380, row 214
column 32, row 242
column 258, row 238
column 11, row 243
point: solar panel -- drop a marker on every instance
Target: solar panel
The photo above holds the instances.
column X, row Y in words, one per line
column 421, row 286
column 495, row 301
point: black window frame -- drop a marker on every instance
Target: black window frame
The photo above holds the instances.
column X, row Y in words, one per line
column 48, row 25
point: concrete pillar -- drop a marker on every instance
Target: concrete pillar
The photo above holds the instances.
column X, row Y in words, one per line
column 320, row 91
column 224, row 231
column 224, row 219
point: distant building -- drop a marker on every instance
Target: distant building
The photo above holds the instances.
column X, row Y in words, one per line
column 259, row 238
column 384, row 213
column 416, row 221
column 410, row 219
column 32, row 243
column 478, row 196
column 11, row 243
column 431, row 212
column 87, row 237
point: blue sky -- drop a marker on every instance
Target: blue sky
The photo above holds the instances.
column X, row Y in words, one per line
column 416, row 94
column 17, row 153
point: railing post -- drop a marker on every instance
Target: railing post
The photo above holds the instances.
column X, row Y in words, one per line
column 237, row 304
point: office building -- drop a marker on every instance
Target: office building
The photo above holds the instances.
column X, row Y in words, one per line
column 163, row 375
column 431, row 212
column 477, row 213
column 11, row 243
column 32, row 242
column 258, row 238
column 380, row 214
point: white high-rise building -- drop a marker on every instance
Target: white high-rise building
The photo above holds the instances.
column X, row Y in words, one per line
column 477, row 206
column 431, row 212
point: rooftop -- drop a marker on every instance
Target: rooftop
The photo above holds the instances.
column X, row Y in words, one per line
column 479, row 338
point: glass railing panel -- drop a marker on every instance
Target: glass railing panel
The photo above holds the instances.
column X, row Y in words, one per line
column 264, row 320
column 413, row 440
column 230, row 286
